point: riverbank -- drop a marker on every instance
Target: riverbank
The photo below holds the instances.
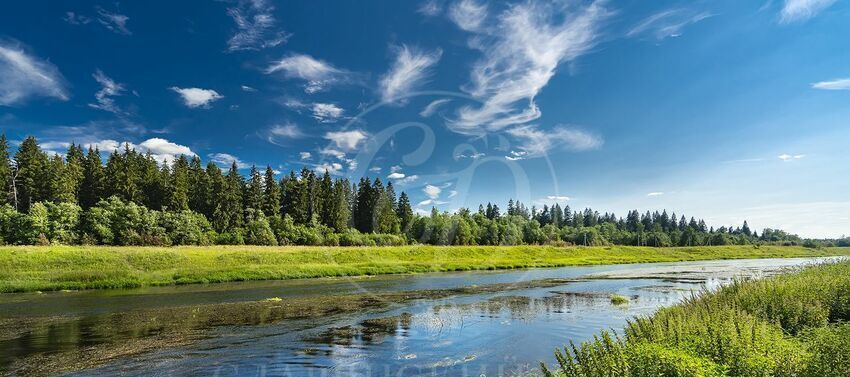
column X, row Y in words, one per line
column 30, row 268
column 787, row 325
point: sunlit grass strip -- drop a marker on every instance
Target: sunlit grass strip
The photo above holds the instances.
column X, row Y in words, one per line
column 789, row 325
column 83, row 267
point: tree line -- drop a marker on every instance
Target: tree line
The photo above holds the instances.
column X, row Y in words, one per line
column 133, row 199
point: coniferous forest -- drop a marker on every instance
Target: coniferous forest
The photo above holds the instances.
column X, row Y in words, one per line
column 132, row 199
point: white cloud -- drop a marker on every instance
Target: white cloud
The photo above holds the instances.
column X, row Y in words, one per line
column 788, row 157
column 801, row 10
column 473, row 156
column 23, row 76
column 410, row 70
column 327, row 112
column 375, row 169
column 396, row 176
column 346, row 140
column 516, row 155
column 667, row 23
column 331, row 168
column 108, row 89
column 332, row 153
column 430, row 8
column 197, row 97
column 536, row 142
column 278, row 134
column 558, row 198
column 408, row 179
column 107, row 145
column 318, row 74
column 76, row 19
column 227, row 160
column 255, row 26
column 655, row 193
column 452, row 194
column 431, row 202
column 432, row 191
column 305, row 155
column 246, row 88
column 521, row 52
column 164, row 150
column 115, row 22
column 468, row 14
column 837, row 84
column 432, row 107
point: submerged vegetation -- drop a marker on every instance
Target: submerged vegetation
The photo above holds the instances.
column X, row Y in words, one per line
column 46, row 268
column 788, row 325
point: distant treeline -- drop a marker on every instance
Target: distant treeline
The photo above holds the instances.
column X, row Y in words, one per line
column 133, row 199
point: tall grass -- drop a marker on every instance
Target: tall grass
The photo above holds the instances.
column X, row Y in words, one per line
column 33, row 268
column 789, row 325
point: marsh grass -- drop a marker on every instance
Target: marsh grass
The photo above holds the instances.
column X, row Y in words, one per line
column 788, row 325
column 619, row 300
column 31, row 268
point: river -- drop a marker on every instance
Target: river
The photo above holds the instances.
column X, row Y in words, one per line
column 471, row 323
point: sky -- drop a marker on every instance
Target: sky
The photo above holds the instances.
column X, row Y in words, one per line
column 725, row 110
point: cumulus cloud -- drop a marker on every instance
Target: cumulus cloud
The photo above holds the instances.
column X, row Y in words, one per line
column 410, row 70
column 164, row 150
column 667, row 23
column 327, row 112
column 468, row 14
column 330, row 168
column 521, row 51
column 226, row 160
column 432, row 191
column 23, row 76
column 197, row 97
column 837, row 84
column 534, row 142
column 789, row 157
column 801, row 10
column 432, row 107
column 317, row 74
column 114, row 22
column 255, row 26
column 108, row 89
column 305, row 156
column 346, row 140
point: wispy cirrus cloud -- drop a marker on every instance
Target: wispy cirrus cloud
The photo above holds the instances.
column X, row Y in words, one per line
column 521, row 50
column 327, row 112
column 790, row 157
column 837, row 84
column 410, row 70
column 281, row 134
column 317, row 74
column 667, row 23
column 255, row 26
column 430, row 8
column 655, row 193
column 432, row 107
column 468, row 15
column 104, row 98
column 195, row 98
column 226, row 160
column 24, row 76
column 801, row 10
column 113, row 21
column 535, row 142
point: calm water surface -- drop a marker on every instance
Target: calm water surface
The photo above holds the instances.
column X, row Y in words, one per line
column 503, row 333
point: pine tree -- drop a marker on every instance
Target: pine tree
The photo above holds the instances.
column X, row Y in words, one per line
column 178, row 185
column 254, row 190
column 151, row 182
column 329, row 204
column 92, row 187
column 404, row 212
column 340, row 212
column 32, row 185
column 363, row 207
column 271, row 193
column 74, row 169
column 228, row 213
column 5, row 170
column 199, row 189
column 59, row 190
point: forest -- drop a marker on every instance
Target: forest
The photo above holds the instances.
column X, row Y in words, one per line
column 133, row 199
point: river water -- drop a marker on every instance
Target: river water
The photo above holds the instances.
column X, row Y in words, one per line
column 501, row 323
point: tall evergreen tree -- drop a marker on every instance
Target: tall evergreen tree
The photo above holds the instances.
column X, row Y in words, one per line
column 329, row 204
column 74, row 170
column 363, row 206
column 271, row 193
column 404, row 212
column 92, row 188
column 178, row 185
column 254, row 190
column 5, row 170
column 32, row 184
column 199, row 186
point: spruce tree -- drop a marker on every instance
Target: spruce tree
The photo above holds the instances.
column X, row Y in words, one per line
column 329, row 205
column 404, row 212
column 178, row 185
column 254, row 190
column 75, row 161
column 92, row 187
column 199, row 189
column 32, row 184
column 271, row 193
column 363, row 206
column 5, row 170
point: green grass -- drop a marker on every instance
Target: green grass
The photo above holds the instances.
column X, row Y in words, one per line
column 619, row 300
column 788, row 325
column 29, row 268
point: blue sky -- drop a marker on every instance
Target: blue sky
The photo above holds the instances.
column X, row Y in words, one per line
column 727, row 110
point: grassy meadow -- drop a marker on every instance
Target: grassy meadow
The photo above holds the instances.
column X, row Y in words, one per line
column 789, row 325
column 32, row 268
